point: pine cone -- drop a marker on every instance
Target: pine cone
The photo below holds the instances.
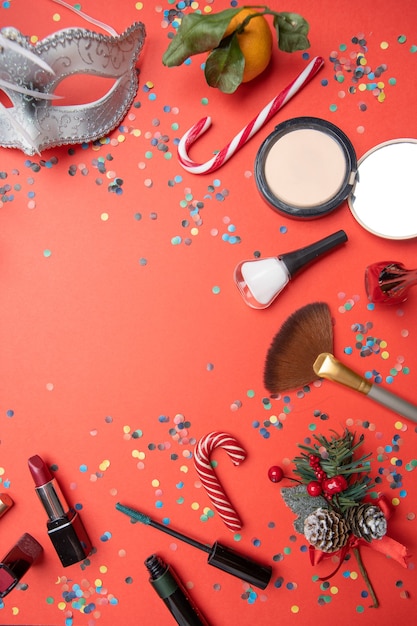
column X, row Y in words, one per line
column 326, row 530
column 366, row 521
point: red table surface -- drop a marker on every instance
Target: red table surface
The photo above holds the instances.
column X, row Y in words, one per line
column 123, row 338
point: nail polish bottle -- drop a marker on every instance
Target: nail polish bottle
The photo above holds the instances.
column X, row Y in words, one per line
column 17, row 562
column 261, row 280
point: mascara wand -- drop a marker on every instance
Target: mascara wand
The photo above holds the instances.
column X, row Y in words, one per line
column 219, row 556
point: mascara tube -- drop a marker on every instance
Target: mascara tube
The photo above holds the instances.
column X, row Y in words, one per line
column 169, row 587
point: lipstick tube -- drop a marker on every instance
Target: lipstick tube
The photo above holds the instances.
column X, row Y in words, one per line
column 65, row 528
column 17, row 562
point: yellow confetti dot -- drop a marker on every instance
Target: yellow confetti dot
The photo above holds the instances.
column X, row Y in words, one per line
column 98, row 582
column 295, row 609
column 126, row 429
column 354, row 575
column 56, row 17
column 393, row 460
column 273, row 419
column 195, row 506
column 380, row 85
column 121, row 138
column 184, row 469
column 155, row 482
column 385, row 355
column 149, row 84
column 381, row 97
column 383, row 344
column 15, row 610
column 139, row 6
column 362, row 87
column 334, row 590
column 194, row 231
column 104, row 217
column 384, row 45
column 62, row 606
column 1, row 471
column 135, row 454
column 395, row 501
column 103, row 569
column 136, row 132
column 34, row 39
column 104, row 465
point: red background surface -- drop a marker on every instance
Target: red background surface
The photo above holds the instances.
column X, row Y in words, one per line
column 111, row 335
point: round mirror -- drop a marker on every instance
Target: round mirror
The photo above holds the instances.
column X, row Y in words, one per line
column 384, row 199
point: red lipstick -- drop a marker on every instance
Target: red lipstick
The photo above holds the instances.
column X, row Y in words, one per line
column 65, row 528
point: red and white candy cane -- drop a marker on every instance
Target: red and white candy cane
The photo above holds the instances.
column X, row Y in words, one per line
column 215, row 491
column 248, row 131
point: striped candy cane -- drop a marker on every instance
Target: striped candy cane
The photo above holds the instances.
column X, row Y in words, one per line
column 248, row 131
column 215, row 491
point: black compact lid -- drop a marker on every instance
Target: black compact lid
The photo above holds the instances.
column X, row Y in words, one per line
column 291, row 159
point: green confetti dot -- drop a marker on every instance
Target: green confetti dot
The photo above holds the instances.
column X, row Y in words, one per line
column 402, row 39
column 360, row 608
column 333, row 108
column 47, row 253
column 413, row 49
column 49, row 600
column 167, row 155
column 175, row 126
column 216, row 289
column 287, row 550
column 204, row 101
column 392, row 81
column 343, row 47
column 148, row 154
column 312, row 427
column 250, row 393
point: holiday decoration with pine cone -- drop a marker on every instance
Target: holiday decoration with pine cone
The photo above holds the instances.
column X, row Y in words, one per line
column 332, row 504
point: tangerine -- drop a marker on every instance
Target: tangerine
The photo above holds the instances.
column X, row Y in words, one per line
column 255, row 42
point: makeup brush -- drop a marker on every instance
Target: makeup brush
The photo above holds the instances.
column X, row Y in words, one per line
column 301, row 352
column 219, row 556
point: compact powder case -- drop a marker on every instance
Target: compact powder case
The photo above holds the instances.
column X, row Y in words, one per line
column 307, row 167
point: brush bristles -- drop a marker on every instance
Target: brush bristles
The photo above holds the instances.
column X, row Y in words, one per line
column 301, row 338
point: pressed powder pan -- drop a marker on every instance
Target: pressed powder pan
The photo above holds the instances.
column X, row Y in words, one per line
column 307, row 167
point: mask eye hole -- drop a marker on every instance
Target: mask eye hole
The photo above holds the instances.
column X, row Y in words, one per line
column 82, row 89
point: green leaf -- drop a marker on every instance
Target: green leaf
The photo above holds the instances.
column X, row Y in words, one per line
column 292, row 30
column 197, row 33
column 224, row 66
column 302, row 504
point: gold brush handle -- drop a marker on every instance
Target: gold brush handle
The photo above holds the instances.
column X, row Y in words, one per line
column 327, row 366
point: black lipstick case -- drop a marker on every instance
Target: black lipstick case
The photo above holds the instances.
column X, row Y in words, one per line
column 69, row 538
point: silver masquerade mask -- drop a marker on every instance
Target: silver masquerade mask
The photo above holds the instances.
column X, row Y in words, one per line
column 29, row 75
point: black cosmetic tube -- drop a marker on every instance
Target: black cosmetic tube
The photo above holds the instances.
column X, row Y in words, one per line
column 169, row 587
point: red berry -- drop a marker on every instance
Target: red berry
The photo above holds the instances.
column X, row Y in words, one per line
column 275, row 474
column 334, row 485
column 320, row 475
column 314, row 488
column 314, row 460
